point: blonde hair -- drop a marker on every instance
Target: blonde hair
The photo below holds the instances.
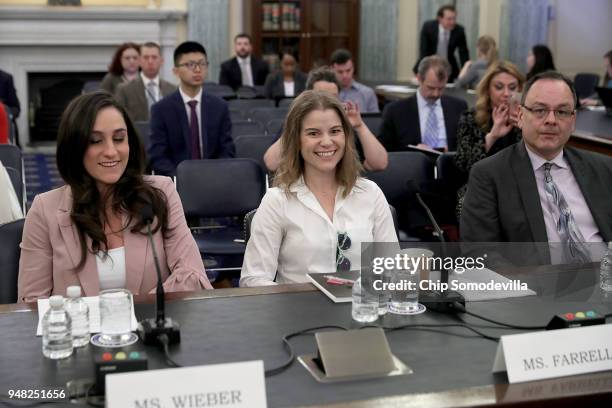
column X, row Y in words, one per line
column 483, row 106
column 487, row 47
column 292, row 163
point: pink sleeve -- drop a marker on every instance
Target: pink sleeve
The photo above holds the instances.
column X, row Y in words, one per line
column 182, row 254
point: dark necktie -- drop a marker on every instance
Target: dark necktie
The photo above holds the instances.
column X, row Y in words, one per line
column 575, row 250
column 195, row 131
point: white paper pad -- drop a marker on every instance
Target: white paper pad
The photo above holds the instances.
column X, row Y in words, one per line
column 396, row 89
column 94, row 314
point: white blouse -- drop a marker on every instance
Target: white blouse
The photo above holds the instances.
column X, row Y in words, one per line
column 111, row 269
column 292, row 234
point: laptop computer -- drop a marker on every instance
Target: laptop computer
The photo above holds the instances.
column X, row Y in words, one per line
column 605, row 94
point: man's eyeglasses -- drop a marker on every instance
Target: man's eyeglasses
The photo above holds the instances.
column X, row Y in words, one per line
column 344, row 243
column 191, row 65
column 560, row 114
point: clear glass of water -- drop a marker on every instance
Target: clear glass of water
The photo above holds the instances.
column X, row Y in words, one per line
column 405, row 300
column 115, row 317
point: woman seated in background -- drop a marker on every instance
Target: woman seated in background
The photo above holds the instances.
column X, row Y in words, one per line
column 289, row 82
column 472, row 72
column 90, row 232
column 320, row 210
column 540, row 59
column 491, row 125
column 123, row 68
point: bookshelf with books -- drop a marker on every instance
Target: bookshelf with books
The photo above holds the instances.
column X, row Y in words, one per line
column 314, row 28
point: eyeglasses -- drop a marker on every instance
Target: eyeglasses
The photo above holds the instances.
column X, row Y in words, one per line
column 191, row 65
column 541, row 113
column 344, row 243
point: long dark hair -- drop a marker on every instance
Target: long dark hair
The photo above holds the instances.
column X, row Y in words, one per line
column 130, row 194
column 543, row 60
column 115, row 66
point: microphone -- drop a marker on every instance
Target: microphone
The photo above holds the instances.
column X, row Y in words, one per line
column 449, row 301
column 162, row 330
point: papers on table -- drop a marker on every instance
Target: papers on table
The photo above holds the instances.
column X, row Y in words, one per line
column 94, row 314
column 401, row 89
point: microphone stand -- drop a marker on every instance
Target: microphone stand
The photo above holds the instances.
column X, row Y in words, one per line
column 161, row 330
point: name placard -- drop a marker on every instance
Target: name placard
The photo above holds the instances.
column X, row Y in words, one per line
column 222, row 385
column 555, row 353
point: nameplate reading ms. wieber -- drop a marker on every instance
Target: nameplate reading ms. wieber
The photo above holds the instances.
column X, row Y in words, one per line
column 222, row 385
column 555, row 353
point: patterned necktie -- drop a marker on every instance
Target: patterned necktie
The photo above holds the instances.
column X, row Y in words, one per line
column 430, row 137
column 151, row 93
column 195, row 131
column 574, row 248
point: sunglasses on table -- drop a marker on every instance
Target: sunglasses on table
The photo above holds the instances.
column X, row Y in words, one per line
column 343, row 264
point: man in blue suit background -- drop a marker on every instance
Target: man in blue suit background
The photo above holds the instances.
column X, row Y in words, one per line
column 189, row 123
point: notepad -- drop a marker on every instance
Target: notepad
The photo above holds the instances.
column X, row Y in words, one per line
column 94, row 314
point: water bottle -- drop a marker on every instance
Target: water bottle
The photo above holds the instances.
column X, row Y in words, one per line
column 57, row 330
column 365, row 308
column 79, row 313
column 605, row 271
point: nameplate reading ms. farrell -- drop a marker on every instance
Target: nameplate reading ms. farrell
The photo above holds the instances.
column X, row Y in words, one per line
column 555, row 353
column 221, row 385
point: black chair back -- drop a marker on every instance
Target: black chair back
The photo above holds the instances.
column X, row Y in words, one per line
column 585, row 84
column 246, row 92
column 253, row 147
column 10, row 237
column 221, row 91
column 274, row 126
column 236, row 115
column 91, row 86
column 245, row 105
column 373, row 122
column 393, row 181
column 220, row 187
column 246, row 127
column 264, row 115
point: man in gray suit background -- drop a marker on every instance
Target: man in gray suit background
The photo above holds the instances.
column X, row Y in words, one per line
column 541, row 190
column 138, row 95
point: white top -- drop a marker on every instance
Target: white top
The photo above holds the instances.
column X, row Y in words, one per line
column 245, row 70
column 111, row 269
column 186, row 98
column 424, row 112
column 292, row 234
column 289, row 88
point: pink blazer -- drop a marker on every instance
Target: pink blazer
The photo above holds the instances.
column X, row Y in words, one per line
column 50, row 251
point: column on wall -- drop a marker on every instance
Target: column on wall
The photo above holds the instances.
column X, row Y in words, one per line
column 207, row 23
column 378, row 40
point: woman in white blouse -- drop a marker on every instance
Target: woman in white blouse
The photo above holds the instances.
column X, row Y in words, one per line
column 320, row 210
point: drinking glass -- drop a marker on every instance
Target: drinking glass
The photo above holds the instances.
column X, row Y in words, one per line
column 406, row 299
column 115, row 319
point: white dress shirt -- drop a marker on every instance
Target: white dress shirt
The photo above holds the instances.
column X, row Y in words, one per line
column 424, row 112
column 292, row 234
column 289, row 88
column 111, row 269
column 186, row 99
column 245, row 70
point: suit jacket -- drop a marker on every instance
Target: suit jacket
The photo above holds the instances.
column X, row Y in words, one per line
column 502, row 203
column 429, row 46
column 50, row 250
column 8, row 95
column 401, row 125
column 110, row 82
column 171, row 135
column 275, row 88
column 132, row 96
column 231, row 75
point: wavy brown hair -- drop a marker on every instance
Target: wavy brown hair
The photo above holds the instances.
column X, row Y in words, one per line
column 292, row 163
column 115, row 66
column 129, row 195
column 483, row 106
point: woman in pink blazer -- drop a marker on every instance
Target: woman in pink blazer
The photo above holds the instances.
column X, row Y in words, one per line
column 90, row 232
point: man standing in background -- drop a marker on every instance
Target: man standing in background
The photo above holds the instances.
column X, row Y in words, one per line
column 244, row 69
column 443, row 37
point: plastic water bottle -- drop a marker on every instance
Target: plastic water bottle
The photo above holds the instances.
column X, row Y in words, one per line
column 365, row 308
column 605, row 271
column 79, row 313
column 57, row 330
